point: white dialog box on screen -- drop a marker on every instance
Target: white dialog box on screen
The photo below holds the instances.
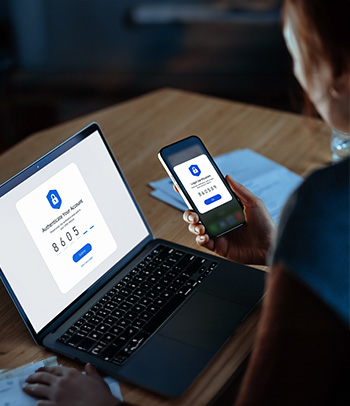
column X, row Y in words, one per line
column 67, row 227
column 202, row 183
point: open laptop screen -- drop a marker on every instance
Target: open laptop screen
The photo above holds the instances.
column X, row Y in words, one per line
column 64, row 227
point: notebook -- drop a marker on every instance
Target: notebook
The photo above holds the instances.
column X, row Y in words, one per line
column 92, row 283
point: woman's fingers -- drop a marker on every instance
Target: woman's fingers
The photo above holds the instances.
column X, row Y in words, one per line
column 39, row 382
column 41, row 377
column 197, row 229
column 202, row 239
column 92, row 371
column 190, row 217
column 37, row 390
column 56, row 370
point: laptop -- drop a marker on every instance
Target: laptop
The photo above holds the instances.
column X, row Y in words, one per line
column 92, row 283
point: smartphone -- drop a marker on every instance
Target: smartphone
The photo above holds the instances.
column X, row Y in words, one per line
column 202, row 185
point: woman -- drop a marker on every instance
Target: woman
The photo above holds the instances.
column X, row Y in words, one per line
column 301, row 353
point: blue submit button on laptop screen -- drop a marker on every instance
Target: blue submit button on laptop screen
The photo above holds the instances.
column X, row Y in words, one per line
column 82, row 252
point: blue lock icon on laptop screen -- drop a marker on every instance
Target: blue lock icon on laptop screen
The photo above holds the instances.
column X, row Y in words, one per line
column 194, row 169
column 54, row 199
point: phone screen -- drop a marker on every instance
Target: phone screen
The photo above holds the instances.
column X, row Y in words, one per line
column 202, row 185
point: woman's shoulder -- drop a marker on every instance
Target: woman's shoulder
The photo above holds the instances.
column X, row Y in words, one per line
column 323, row 195
column 314, row 232
column 334, row 178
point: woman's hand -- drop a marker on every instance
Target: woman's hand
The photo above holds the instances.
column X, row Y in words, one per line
column 249, row 244
column 62, row 386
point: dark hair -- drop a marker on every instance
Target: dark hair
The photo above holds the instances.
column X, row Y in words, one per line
column 324, row 29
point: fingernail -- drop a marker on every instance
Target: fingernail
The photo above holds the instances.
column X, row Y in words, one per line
column 201, row 237
column 190, row 218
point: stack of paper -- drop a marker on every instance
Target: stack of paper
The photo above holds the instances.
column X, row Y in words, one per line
column 271, row 182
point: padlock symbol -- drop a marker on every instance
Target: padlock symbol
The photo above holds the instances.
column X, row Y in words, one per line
column 54, row 199
column 194, row 169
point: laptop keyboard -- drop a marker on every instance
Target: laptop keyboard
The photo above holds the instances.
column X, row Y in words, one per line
column 123, row 319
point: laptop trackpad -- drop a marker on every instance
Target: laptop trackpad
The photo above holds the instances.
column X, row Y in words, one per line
column 205, row 321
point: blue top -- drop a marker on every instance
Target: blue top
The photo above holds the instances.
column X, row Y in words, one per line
column 313, row 237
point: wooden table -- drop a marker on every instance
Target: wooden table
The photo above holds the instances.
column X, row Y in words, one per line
column 136, row 130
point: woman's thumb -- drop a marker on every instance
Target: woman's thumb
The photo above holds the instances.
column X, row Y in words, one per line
column 92, row 371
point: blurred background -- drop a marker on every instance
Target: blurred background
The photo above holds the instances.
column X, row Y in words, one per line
column 63, row 58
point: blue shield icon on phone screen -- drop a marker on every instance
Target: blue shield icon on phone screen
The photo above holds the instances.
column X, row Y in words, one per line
column 194, row 169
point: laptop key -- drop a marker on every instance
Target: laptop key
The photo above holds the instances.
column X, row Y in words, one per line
column 72, row 330
column 160, row 302
column 75, row 340
column 108, row 338
column 140, row 292
column 163, row 314
column 95, row 335
column 86, row 344
column 133, row 299
column 131, row 315
column 139, row 323
column 102, row 328
column 151, row 295
column 191, row 283
column 146, row 316
column 146, row 285
column 182, row 264
column 88, row 314
column 103, row 313
column 110, row 352
column 125, row 306
column 116, row 330
column 95, row 320
column 195, row 265
column 173, row 288
column 166, row 294
column 110, row 320
column 118, row 313
column 125, row 292
column 110, row 306
column 138, row 308
column 119, row 359
column 86, row 328
column 213, row 265
column 78, row 323
column 121, row 340
column 153, row 309
column 185, row 291
column 64, row 337
column 131, row 331
column 98, row 348
column 145, row 301
column 123, row 323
